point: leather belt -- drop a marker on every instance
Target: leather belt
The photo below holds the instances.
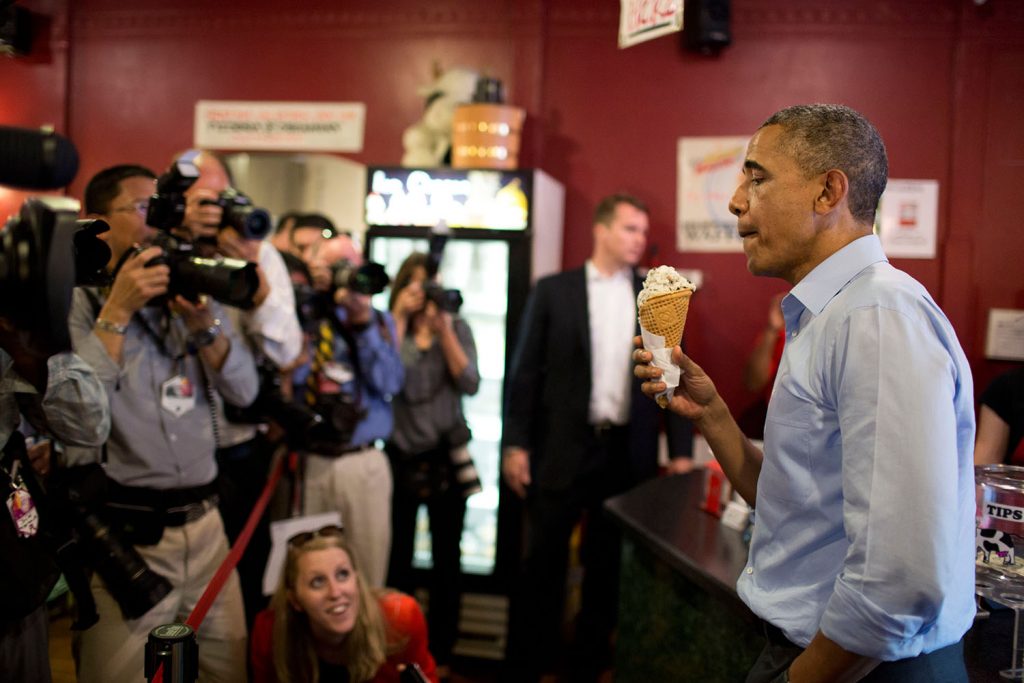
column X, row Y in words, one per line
column 175, row 507
column 605, row 427
column 341, row 450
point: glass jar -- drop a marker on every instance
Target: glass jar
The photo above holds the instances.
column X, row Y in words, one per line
column 999, row 518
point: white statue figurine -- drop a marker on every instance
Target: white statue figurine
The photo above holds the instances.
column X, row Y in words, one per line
column 427, row 141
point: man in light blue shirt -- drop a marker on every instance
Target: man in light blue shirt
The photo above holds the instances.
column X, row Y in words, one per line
column 861, row 561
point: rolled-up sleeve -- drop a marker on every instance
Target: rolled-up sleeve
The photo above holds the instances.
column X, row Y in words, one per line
column 895, row 386
column 274, row 323
column 75, row 404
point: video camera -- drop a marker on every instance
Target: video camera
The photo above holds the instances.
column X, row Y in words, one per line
column 45, row 251
column 448, row 300
column 229, row 281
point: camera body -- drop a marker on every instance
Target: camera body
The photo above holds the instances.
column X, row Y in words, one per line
column 167, row 207
column 448, row 300
column 45, row 251
column 369, row 278
column 229, row 281
column 238, row 212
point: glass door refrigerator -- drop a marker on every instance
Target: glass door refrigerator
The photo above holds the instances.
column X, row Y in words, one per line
column 504, row 232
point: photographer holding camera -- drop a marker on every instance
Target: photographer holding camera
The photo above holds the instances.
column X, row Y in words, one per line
column 162, row 352
column 353, row 373
column 429, row 451
column 216, row 220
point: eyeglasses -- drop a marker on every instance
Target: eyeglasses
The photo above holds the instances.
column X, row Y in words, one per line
column 137, row 207
column 303, row 537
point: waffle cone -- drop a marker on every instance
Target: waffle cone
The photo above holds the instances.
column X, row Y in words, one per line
column 665, row 315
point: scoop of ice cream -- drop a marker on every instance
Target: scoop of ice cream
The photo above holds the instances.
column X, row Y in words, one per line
column 662, row 280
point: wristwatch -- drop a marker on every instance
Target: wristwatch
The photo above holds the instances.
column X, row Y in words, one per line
column 110, row 326
column 204, row 338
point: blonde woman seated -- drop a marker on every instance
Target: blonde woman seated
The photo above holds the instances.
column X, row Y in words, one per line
column 325, row 624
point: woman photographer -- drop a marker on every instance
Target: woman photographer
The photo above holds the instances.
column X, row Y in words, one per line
column 428, row 448
column 325, row 624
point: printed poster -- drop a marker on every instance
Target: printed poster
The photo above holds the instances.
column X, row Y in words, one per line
column 710, row 169
column 908, row 218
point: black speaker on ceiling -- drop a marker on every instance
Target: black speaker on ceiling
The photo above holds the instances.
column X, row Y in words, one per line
column 15, row 29
column 706, row 25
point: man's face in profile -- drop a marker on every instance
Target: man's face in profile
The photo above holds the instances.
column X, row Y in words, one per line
column 126, row 216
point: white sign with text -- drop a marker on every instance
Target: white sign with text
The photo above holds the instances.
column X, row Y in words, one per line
column 282, row 126
column 642, row 20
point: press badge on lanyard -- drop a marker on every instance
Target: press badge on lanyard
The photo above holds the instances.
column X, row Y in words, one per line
column 21, row 506
column 178, row 395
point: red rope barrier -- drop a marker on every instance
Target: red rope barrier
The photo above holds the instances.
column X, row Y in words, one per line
column 234, row 555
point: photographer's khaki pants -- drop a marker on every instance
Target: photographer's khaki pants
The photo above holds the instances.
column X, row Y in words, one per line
column 114, row 649
column 358, row 485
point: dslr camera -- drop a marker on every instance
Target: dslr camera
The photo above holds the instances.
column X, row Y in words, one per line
column 238, row 212
column 369, row 278
column 230, row 281
column 167, row 206
column 448, row 300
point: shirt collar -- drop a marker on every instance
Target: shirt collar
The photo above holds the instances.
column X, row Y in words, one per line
column 831, row 275
column 594, row 275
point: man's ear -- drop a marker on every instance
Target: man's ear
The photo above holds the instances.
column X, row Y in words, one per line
column 835, row 188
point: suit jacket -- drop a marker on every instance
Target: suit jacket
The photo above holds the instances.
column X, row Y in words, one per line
column 549, row 385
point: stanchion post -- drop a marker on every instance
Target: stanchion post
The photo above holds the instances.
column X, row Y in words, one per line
column 172, row 654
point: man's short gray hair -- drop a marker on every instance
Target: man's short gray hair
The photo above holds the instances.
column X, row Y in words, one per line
column 821, row 137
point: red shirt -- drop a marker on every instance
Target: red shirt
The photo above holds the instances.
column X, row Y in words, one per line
column 405, row 623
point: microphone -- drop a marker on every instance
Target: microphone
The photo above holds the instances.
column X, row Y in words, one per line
column 33, row 159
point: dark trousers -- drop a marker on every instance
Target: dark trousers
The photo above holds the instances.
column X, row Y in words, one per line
column 945, row 665
column 25, row 648
column 447, row 513
column 242, row 474
column 538, row 603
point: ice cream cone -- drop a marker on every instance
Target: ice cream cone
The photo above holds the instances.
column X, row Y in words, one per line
column 665, row 315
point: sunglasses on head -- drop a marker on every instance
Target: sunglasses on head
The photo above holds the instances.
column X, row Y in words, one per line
column 304, row 537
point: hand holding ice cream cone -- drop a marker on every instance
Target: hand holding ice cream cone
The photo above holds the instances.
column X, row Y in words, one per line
column 663, row 304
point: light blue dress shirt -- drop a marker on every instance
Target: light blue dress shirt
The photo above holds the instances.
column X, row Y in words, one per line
column 865, row 502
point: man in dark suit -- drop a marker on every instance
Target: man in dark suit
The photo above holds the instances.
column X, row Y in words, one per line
column 578, row 431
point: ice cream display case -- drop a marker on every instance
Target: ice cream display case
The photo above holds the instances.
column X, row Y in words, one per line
column 504, row 231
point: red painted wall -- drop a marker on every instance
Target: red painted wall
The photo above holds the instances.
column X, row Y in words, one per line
column 33, row 88
column 942, row 79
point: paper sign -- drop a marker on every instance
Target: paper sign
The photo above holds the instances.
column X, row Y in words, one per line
column 1005, row 337
column 709, row 170
column 642, row 20
column 908, row 218
column 285, row 126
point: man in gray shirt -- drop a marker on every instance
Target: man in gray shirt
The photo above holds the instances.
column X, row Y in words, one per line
column 160, row 365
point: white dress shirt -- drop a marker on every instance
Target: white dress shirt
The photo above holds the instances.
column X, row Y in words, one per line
column 612, row 311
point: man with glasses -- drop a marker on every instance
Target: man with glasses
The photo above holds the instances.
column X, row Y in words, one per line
column 161, row 366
